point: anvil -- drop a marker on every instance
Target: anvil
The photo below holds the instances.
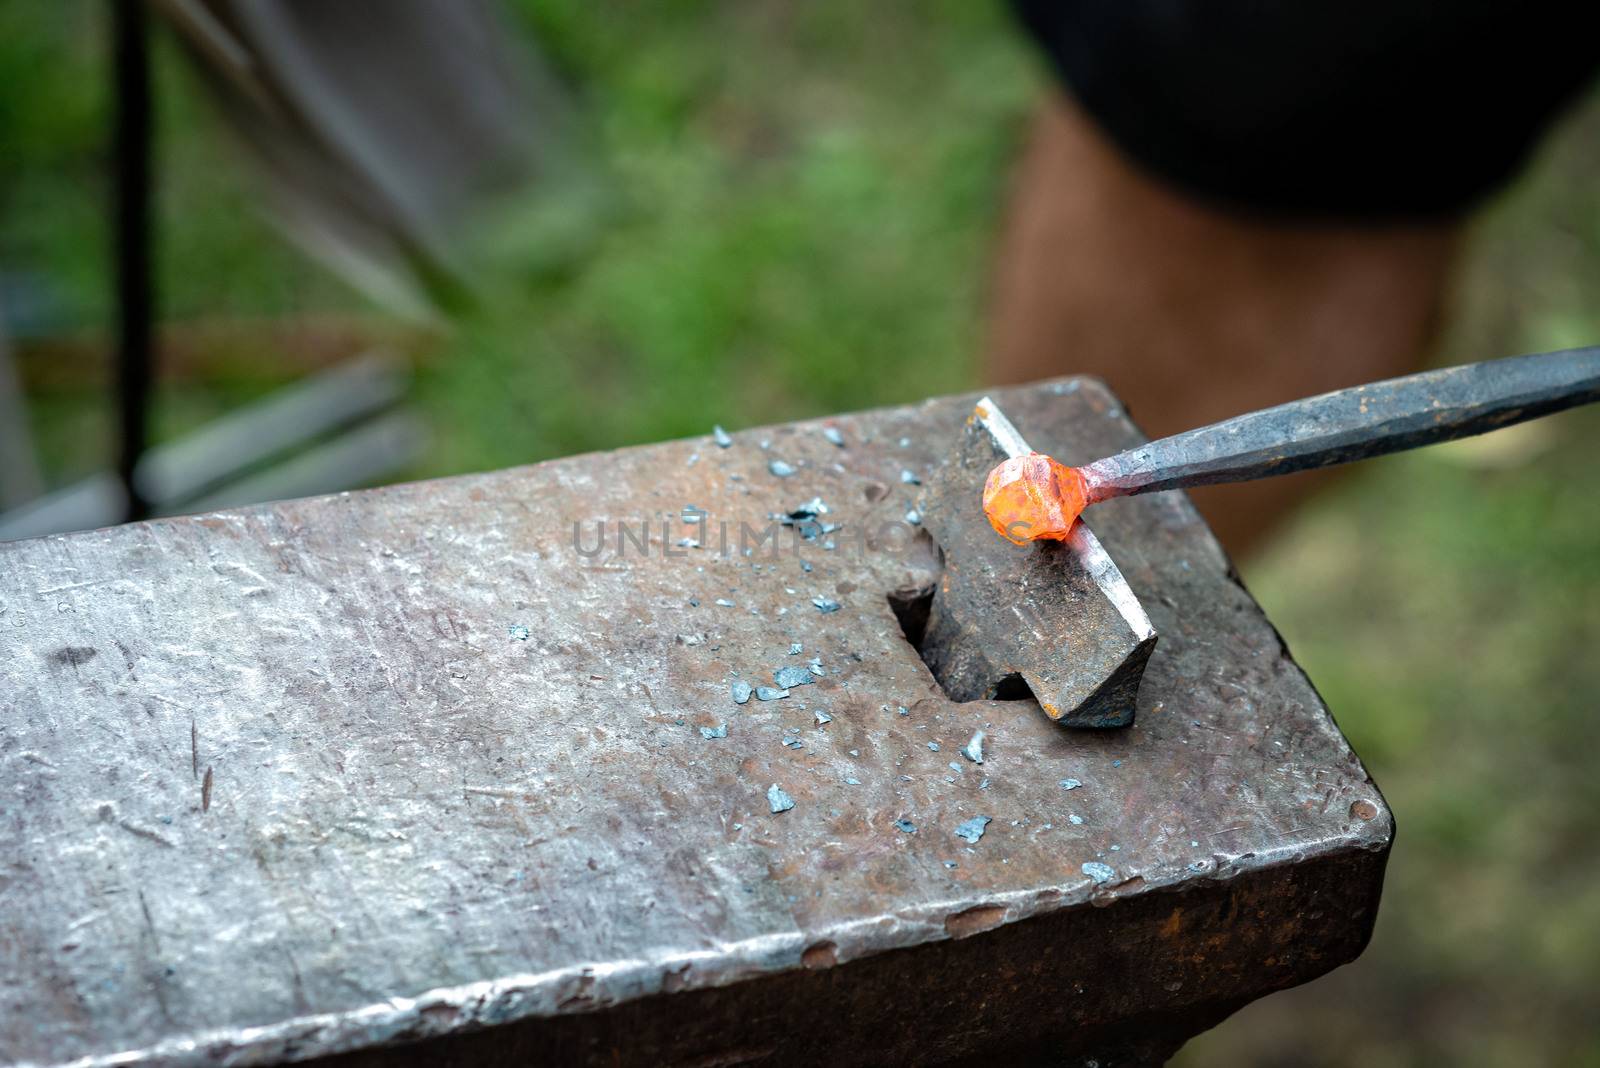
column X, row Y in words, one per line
column 457, row 773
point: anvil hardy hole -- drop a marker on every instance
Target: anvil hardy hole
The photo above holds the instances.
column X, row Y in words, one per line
column 1013, row 688
column 911, row 602
column 911, row 609
column 912, row 605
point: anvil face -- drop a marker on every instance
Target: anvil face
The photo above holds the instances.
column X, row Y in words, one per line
column 1056, row 614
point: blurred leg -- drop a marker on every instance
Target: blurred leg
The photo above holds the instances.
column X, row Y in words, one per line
column 1193, row 314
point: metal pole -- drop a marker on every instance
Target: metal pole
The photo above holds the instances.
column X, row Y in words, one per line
column 135, row 290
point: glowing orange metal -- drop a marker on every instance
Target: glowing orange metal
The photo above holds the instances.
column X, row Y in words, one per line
column 1034, row 498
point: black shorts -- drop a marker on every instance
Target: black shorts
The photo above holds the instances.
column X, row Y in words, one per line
column 1342, row 109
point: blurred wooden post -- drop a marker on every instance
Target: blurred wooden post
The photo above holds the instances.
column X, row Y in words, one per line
column 20, row 481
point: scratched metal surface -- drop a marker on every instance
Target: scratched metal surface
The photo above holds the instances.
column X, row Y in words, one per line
column 281, row 781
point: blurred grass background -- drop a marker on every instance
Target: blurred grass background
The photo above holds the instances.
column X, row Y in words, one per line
column 796, row 215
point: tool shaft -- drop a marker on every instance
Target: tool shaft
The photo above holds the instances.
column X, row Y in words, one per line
column 1355, row 423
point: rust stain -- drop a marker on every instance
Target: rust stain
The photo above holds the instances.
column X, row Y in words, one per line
column 205, row 791
column 1364, row 810
column 973, row 921
column 819, row 956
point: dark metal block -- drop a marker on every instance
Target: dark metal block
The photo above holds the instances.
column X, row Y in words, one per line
column 1056, row 614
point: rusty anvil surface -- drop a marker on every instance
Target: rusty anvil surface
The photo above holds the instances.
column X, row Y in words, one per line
column 281, row 784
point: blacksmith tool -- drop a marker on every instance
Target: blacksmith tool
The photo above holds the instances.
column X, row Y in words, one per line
column 1032, row 497
column 1067, row 624
column 1069, row 627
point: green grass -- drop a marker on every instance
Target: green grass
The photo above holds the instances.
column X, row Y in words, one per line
column 1447, row 605
column 785, row 210
column 788, row 209
column 792, row 221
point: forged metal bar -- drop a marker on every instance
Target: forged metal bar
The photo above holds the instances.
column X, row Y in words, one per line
column 215, row 455
column 1354, row 424
column 1102, row 569
column 1006, row 437
column 244, row 457
column 1058, row 615
column 417, row 776
column 360, row 456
